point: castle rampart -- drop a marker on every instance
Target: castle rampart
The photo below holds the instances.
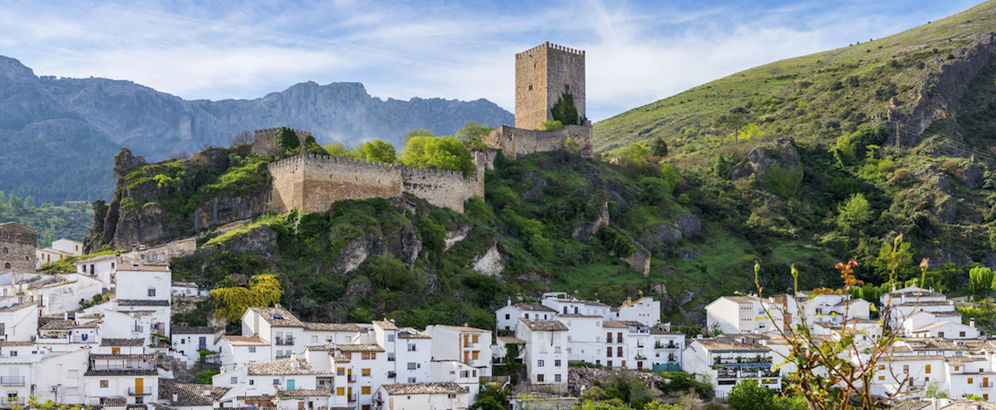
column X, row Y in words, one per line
column 312, row 183
column 517, row 141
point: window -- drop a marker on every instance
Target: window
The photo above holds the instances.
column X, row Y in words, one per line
column 619, row 337
column 4, row 251
column 276, row 382
column 475, row 355
column 906, row 369
column 556, row 377
column 539, row 378
column 567, row 87
column 556, row 349
column 556, row 363
column 234, row 380
column 411, row 347
column 957, row 367
column 527, row 316
column 365, row 390
column 940, row 334
column 252, row 382
column 881, row 367
column 881, row 377
column 539, row 363
column 411, row 380
column 507, row 316
column 608, row 363
column 390, row 357
column 152, row 292
column 608, row 351
column 530, row 89
column 927, row 368
column 474, row 339
column 619, row 351
column 608, row 337
column 252, row 349
column 961, row 334
column 340, row 391
column 368, row 356
column 412, row 365
column 103, row 384
column 365, row 372
column 340, row 371
column 969, row 380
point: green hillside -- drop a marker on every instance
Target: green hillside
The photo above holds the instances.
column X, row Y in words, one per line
column 811, row 98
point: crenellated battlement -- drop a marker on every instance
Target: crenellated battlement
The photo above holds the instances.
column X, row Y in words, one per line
column 551, row 46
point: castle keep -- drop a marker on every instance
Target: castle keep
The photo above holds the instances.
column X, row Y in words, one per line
column 542, row 75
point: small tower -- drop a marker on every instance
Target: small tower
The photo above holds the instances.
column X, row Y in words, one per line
column 542, row 75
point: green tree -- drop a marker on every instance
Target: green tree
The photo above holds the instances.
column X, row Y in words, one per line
column 854, row 213
column 658, row 147
column 472, row 135
column 418, row 132
column 205, row 376
column 287, row 139
column 338, row 149
column 895, row 260
column 378, row 150
column 437, row 153
column 232, row 302
column 749, row 395
column 552, row 125
column 980, row 281
column 634, row 153
column 564, row 111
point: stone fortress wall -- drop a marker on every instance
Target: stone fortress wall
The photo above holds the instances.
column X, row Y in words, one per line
column 264, row 140
column 312, row 183
column 17, row 247
column 517, row 141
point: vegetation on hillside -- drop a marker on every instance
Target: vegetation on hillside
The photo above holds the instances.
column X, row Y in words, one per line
column 69, row 220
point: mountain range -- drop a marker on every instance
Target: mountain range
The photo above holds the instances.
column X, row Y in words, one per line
column 58, row 135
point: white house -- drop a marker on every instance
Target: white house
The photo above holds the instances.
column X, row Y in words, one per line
column 31, row 370
column 725, row 361
column 563, row 304
column 69, row 246
column 190, row 341
column 508, row 316
column 585, row 338
column 546, row 353
column 950, row 330
column 102, row 268
column 423, row 396
column 132, row 376
column 645, row 310
column 189, row 289
column 145, row 288
column 465, row 344
column 733, row 314
column 19, row 322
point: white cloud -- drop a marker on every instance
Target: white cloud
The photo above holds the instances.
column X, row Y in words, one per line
column 637, row 53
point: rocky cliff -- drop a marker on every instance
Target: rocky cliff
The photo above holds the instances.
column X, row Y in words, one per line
column 78, row 124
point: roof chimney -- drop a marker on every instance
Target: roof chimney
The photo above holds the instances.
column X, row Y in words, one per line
column 971, row 322
column 175, row 398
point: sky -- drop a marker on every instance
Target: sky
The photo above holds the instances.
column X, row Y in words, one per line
column 636, row 52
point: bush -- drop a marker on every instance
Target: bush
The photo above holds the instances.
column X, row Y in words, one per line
column 655, row 191
column 749, row 395
column 438, row 153
column 783, row 181
column 286, row 139
column 854, row 214
column 378, row 150
column 551, row 125
column 564, row 111
column 852, row 148
column 205, row 376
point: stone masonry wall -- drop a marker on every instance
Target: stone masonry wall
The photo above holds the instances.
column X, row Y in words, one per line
column 264, row 140
column 312, row 183
column 514, row 141
column 17, row 247
column 542, row 74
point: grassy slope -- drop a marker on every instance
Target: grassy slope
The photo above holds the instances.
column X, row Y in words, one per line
column 818, row 96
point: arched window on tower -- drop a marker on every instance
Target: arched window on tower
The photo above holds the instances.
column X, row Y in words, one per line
column 4, row 251
column 6, row 265
column 567, row 88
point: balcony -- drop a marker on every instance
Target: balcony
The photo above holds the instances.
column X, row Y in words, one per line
column 139, row 392
column 11, row 380
column 287, row 341
column 283, row 356
column 12, row 401
column 669, row 345
column 742, row 361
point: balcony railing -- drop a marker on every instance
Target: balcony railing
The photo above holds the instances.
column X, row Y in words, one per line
column 139, row 392
column 670, row 345
column 285, row 341
column 283, row 356
column 12, row 380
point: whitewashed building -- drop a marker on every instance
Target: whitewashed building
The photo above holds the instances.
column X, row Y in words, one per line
column 507, row 317
column 546, row 353
column 417, row 396
column 726, row 360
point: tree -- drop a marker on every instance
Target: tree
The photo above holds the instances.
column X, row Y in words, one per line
column 895, row 260
column 418, row 132
column 472, row 135
column 437, row 153
column 338, row 149
column 854, row 213
column 980, row 280
column 378, row 150
column 564, row 111
column 658, row 147
column 749, row 395
column 286, row 139
column 634, row 153
column 232, row 302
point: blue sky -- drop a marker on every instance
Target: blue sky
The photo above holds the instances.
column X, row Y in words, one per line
column 637, row 52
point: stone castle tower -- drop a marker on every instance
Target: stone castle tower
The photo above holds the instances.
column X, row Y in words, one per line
column 542, row 75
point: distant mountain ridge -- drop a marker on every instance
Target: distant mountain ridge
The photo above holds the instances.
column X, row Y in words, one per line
column 58, row 135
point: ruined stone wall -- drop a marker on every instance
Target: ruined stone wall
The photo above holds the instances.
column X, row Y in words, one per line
column 542, row 74
column 514, row 141
column 18, row 244
column 264, row 140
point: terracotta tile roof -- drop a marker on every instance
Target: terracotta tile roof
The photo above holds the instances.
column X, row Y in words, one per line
column 302, row 393
column 544, row 325
column 577, row 316
column 533, row 307
column 200, row 330
column 333, row 327
column 277, row 316
column 410, row 333
column 424, row 388
column 359, row 348
column 386, row 324
column 188, row 395
column 511, row 340
column 121, row 342
column 140, row 302
column 290, row 366
column 65, row 324
column 16, row 307
column 620, row 323
column 144, row 268
column 466, row 329
column 245, row 340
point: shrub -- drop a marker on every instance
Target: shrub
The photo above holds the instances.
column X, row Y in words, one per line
column 749, row 395
column 655, row 191
column 287, row 139
column 564, row 111
column 783, row 181
column 205, row 376
column 551, row 125
column 854, row 213
column 852, row 148
column 378, row 150
column 438, row 153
